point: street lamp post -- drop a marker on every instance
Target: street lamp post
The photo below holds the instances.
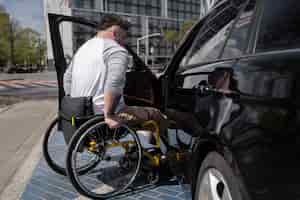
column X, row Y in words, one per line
column 147, row 44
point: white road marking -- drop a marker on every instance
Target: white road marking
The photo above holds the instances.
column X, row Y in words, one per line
column 22, row 84
column 2, row 87
column 12, row 85
column 44, row 84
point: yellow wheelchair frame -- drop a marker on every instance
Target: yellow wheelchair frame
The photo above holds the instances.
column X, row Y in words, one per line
column 155, row 159
column 148, row 125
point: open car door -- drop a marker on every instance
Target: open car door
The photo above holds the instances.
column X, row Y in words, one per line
column 142, row 87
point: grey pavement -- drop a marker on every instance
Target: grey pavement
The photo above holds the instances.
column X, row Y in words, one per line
column 22, row 126
column 46, row 184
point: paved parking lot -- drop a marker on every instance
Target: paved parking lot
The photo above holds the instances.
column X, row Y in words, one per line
column 46, row 184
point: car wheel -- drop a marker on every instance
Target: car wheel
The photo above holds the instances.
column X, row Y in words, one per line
column 216, row 180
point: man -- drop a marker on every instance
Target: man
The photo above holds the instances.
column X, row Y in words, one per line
column 98, row 69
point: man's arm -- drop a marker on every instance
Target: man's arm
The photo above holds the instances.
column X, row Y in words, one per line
column 117, row 62
column 110, row 103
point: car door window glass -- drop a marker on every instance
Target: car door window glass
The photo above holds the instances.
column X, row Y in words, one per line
column 239, row 35
column 279, row 28
column 209, row 50
column 192, row 81
column 211, row 38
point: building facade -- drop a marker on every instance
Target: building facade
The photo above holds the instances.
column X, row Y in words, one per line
column 58, row 7
column 149, row 19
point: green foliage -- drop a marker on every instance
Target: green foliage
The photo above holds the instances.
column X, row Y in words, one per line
column 185, row 27
column 171, row 35
column 19, row 45
column 4, row 37
column 174, row 36
column 26, row 44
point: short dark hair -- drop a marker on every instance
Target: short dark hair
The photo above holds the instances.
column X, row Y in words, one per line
column 109, row 20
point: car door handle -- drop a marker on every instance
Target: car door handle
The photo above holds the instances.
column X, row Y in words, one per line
column 204, row 90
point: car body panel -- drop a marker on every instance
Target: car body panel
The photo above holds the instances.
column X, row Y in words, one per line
column 265, row 135
column 258, row 133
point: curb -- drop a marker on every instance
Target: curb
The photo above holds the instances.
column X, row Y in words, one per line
column 5, row 108
column 12, row 79
column 17, row 183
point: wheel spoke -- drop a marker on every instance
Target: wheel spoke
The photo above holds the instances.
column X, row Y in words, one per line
column 109, row 171
column 226, row 194
column 213, row 182
column 213, row 186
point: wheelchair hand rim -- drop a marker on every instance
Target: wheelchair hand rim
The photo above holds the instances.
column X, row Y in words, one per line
column 113, row 193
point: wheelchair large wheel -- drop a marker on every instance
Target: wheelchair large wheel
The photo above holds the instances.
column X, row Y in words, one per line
column 120, row 155
column 55, row 149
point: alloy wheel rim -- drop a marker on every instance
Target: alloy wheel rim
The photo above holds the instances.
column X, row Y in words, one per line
column 213, row 186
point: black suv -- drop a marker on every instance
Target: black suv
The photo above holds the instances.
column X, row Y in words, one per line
column 236, row 73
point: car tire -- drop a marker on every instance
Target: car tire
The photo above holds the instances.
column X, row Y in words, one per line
column 216, row 179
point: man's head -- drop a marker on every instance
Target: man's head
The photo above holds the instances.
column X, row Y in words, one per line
column 114, row 27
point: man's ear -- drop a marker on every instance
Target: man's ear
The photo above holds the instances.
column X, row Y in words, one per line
column 117, row 35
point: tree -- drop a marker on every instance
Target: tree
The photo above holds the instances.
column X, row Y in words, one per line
column 185, row 27
column 171, row 36
column 30, row 48
column 4, row 37
column 19, row 45
column 174, row 37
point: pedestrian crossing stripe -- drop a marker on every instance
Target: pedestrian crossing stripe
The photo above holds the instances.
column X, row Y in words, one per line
column 45, row 84
column 12, row 85
column 22, row 84
column 26, row 84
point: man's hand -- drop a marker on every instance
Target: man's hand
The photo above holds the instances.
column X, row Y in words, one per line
column 113, row 121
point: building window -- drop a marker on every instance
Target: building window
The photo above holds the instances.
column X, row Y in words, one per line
column 180, row 9
column 141, row 7
column 85, row 4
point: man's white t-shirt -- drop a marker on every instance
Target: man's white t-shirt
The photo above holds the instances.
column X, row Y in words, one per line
column 99, row 65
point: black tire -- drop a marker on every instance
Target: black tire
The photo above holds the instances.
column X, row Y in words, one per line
column 216, row 163
column 75, row 145
column 51, row 162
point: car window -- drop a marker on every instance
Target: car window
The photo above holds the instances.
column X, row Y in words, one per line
column 210, row 39
column 191, row 81
column 279, row 28
column 238, row 38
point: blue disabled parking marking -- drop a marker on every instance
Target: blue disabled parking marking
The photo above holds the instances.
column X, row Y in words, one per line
column 47, row 185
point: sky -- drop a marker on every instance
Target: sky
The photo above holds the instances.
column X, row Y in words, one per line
column 29, row 13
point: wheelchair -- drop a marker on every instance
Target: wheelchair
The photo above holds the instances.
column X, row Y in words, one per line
column 104, row 163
